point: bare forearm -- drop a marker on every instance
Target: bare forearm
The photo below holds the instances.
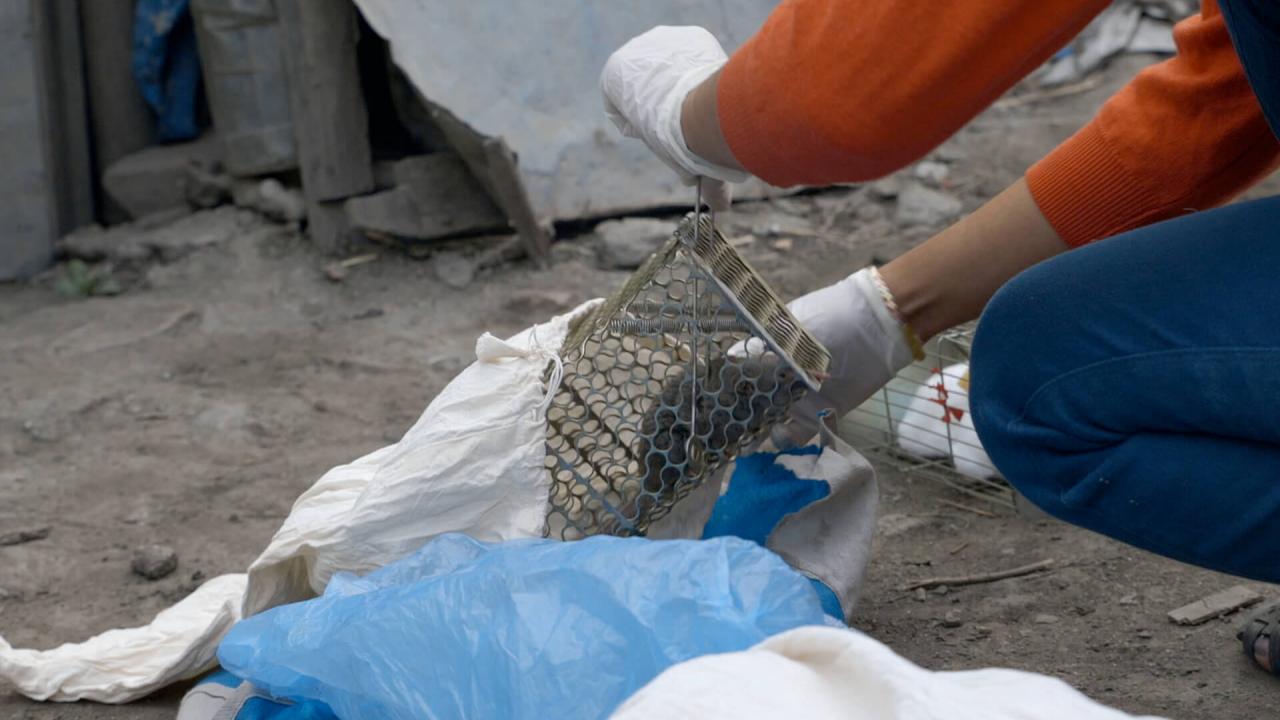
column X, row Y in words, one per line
column 949, row 278
column 700, row 122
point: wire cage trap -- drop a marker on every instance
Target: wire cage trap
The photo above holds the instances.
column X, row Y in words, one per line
column 920, row 423
column 691, row 361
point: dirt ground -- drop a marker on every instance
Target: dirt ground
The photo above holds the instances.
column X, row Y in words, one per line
column 194, row 408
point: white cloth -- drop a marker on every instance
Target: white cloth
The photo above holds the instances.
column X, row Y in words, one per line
column 473, row 464
column 821, row 673
column 120, row 665
column 867, row 349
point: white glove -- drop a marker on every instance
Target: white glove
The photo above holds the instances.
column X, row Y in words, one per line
column 645, row 83
column 867, row 347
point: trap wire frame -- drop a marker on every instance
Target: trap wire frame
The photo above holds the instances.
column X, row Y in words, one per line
column 692, row 360
column 879, row 427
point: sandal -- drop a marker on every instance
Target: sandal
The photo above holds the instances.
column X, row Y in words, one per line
column 1261, row 638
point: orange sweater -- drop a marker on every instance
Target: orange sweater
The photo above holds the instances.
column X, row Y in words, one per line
column 849, row 90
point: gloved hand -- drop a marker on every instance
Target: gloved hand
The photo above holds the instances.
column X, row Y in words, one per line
column 867, row 344
column 761, row 493
column 645, row 83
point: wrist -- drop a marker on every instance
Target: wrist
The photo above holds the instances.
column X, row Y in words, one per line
column 909, row 335
column 700, row 133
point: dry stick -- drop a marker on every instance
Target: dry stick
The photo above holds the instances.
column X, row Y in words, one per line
column 982, row 577
column 958, row 548
column 1085, row 85
column 974, row 510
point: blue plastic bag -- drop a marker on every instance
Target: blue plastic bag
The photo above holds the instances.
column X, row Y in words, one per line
column 524, row 629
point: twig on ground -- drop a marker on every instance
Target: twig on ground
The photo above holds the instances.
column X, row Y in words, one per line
column 967, row 508
column 981, row 577
column 958, row 548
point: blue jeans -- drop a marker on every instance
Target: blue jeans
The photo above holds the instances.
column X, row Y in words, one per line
column 1132, row 387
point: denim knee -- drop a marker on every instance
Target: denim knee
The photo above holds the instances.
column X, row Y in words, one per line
column 1014, row 328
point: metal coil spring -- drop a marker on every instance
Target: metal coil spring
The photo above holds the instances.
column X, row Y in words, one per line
column 660, row 325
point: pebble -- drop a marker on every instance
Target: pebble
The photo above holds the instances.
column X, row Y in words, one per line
column 921, row 595
column 886, row 188
column 932, row 172
column 870, row 212
column 1045, row 619
column 154, row 561
column 952, row 619
column 1131, row 599
column 1146, row 634
column 918, row 205
column 625, row 244
column 454, row 269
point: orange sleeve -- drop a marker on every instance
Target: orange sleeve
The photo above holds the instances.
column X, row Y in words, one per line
column 849, row 90
column 1185, row 134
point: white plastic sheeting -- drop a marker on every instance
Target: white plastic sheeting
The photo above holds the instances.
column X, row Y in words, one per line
column 472, row 464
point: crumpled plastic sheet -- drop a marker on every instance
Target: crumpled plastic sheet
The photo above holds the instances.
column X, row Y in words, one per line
column 523, row 629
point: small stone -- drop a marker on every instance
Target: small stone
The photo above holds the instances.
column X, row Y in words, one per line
column 447, row 364
column 870, row 212
column 1146, row 634
column 25, row 535
column 535, row 303
column 1045, row 619
column 454, row 269
column 369, row 314
column 918, row 205
column 932, row 172
column 952, row 619
column 271, row 199
column 138, row 516
column 626, row 244
column 921, row 595
column 981, row 631
column 886, row 188
column 942, row 590
column 154, row 561
column 40, row 431
column 1131, row 599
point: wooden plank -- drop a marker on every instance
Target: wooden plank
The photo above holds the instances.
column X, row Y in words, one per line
column 493, row 164
column 119, row 120
column 1216, row 605
column 67, row 113
column 329, row 116
column 45, row 187
column 327, row 227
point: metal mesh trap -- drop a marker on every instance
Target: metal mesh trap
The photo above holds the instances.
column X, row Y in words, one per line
column 918, row 423
column 692, row 360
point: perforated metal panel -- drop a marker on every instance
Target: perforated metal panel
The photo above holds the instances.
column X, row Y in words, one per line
column 694, row 359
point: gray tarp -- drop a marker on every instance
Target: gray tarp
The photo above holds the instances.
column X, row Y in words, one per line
column 528, row 72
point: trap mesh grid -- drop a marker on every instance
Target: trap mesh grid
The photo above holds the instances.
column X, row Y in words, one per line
column 913, row 424
column 664, row 383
